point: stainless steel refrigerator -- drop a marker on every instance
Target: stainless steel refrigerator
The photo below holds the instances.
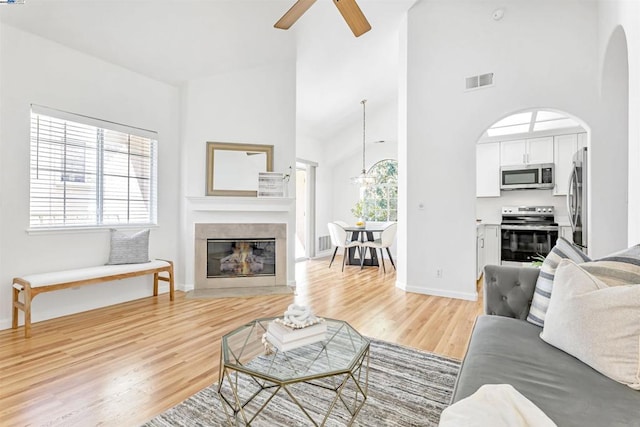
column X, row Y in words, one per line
column 577, row 199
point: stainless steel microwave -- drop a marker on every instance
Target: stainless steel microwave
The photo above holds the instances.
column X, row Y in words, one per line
column 526, row 176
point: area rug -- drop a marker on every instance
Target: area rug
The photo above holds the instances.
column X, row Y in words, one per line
column 407, row 388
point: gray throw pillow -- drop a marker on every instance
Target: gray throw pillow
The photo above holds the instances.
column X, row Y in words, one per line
column 129, row 248
column 562, row 250
column 619, row 268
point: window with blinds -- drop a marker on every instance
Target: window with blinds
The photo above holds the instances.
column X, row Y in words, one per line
column 87, row 172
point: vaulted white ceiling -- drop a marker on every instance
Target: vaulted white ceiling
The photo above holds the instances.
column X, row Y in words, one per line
column 179, row 40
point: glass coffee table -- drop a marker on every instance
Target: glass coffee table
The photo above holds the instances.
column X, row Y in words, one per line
column 334, row 371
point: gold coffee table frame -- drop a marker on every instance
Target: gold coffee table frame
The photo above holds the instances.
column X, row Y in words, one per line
column 339, row 364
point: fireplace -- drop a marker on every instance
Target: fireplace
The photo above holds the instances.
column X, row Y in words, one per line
column 236, row 259
column 241, row 257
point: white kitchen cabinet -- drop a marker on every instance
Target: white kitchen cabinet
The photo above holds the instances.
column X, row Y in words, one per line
column 492, row 244
column 540, row 150
column 513, row 152
column 488, row 247
column 566, row 232
column 488, row 170
column 582, row 140
column 526, row 151
column 479, row 251
column 564, row 148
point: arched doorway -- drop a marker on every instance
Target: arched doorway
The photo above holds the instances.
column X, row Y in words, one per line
column 524, row 139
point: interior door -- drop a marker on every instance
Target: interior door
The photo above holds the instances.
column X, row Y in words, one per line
column 301, row 213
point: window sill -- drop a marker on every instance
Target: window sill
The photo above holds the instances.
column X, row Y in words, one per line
column 87, row 229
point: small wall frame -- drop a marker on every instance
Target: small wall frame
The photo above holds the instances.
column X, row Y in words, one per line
column 233, row 168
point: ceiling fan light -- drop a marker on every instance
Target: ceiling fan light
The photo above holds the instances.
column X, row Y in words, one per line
column 363, row 179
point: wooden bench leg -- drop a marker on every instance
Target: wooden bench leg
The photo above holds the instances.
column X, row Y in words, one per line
column 169, row 278
column 25, row 306
column 155, row 284
column 171, row 284
column 16, row 302
column 27, row 313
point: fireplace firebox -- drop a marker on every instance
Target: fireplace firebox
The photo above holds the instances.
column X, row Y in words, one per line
column 241, row 257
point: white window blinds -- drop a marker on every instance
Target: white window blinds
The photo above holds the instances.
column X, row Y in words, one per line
column 86, row 172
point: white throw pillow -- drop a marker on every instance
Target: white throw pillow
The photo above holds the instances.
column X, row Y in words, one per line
column 598, row 324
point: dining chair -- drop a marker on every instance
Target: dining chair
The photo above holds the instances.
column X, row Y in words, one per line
column 344, row 224
column 384, row 242
column 339, row 239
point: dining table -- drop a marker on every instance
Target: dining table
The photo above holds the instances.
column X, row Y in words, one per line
column 363, row 234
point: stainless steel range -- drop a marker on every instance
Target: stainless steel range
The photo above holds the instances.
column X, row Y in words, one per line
column 527, row 232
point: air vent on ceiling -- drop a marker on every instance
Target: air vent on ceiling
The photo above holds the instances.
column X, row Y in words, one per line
column 476, row 82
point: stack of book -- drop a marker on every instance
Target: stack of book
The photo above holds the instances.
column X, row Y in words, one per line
column 285, row 338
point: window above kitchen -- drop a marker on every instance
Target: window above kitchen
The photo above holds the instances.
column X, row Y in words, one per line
column 531, row 124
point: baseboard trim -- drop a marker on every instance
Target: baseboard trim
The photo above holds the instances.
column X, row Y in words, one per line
column 469, row 296
column 186, row 287
column 5, row 324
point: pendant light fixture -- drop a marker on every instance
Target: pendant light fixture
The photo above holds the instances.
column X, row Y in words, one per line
column 363, row 179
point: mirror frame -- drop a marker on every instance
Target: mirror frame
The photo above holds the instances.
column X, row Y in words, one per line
column 212, row 147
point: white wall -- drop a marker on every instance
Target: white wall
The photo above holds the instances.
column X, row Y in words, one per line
column 543, row 54
column 34, row 70
column 615, row 17
column 255, row 105
column 609, row 160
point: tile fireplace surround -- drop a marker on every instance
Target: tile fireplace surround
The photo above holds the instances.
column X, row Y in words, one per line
column 243, row 285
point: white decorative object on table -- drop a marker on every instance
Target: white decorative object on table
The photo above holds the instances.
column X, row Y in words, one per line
column 299, row 316
column 297, row 328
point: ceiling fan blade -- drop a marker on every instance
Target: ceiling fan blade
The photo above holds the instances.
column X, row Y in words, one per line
column 292, row 15
column 354, row 16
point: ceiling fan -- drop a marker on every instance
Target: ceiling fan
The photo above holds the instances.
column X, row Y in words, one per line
column 348, row 8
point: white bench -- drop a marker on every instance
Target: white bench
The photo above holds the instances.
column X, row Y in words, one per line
column 35, row 284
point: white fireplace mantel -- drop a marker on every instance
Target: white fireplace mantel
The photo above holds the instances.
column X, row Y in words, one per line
column 241, row 204
column 248, row 210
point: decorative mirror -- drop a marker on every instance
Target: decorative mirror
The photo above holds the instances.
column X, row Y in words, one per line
column 232, row 169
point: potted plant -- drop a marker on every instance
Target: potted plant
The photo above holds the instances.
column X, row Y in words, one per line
column 358, row 211
column 537, row 260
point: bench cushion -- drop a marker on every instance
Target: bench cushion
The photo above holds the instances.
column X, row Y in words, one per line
column 48, row 279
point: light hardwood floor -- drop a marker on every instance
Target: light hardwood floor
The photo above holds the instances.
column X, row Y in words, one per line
column 124, row 364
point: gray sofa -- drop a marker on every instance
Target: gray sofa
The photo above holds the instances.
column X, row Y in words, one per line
column 506, row 349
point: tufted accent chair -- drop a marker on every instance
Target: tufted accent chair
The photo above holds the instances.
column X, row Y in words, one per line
column 508, row 290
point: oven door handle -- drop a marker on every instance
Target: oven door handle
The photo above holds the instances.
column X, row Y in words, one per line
column 529, row 228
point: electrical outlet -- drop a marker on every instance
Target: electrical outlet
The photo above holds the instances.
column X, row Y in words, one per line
column 439, row 273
